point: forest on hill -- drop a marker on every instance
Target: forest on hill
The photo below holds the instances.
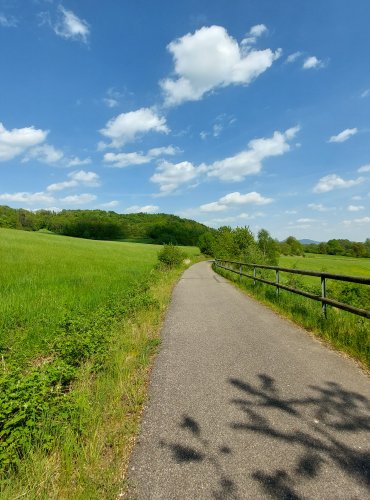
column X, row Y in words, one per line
column 103, row 225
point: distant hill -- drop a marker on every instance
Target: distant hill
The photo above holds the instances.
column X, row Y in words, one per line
column 305, row 241
column 102, row 225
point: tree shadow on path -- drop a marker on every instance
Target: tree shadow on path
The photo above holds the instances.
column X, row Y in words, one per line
column 321, row 426
column 204, row 451
column 319, row 431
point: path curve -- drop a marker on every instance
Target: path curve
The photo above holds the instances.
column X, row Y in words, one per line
column 243, row 404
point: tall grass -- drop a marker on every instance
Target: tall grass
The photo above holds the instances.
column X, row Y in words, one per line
column 79, row 324
column 347, row 332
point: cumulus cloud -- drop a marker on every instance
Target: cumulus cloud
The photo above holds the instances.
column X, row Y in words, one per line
column 110, row 204
column 293, row 57
column 249, row 161
column 344, row 135
column 8, row 21
column 126, row 127
column 210, row 58
column 44, row 153
column 28, row 198
column 78, row 199
column 333, row 181
column 305, row 220
column 319, row 207
column 364, row 168
column 170, row 176
column 71, row 27
column 235, row 199
column 251, row 37
column 147, row 209
column 76, row 162
column 355, row 208
column 121, row 160
column 78, row 178
column 312, row 62
column 17, row 141
column 362, row 220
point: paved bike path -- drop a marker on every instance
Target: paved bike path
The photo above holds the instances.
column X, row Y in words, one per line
column 243, row 404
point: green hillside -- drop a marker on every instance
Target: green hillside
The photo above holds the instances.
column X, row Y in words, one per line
column 102, row 225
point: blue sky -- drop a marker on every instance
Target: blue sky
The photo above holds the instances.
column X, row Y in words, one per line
column 250, row 112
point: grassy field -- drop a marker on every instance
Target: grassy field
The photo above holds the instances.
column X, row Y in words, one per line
column 328, row 263
column 345, row 331
column 79, row 323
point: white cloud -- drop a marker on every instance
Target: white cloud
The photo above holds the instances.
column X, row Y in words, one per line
column 249, row 162
column 110, row 102
column 333, row 181
column 112, row 98
column 148, row 209
column 365, row 93
column 364, row 168
column 355, row 208
column 171, row 176
column 78, row 199
column 126, row 127
column 312, row 62
column 8, row 21
column 209, row 59
column 319, row 207
column 234, row 199
column 77, row 178
column 305, row 220
column 251, row 37
column 71, row 27
column 363, row 220
column 293, row 57
column 214, row 206
column 165, row 150
column 344, row 135
column 291, row 212
column 110, row 204
column 76, row 162
column 18, row 140
column 29, row 198
column 44, row 153
column 121, row 160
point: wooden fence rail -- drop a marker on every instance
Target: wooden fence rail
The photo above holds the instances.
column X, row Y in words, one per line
column 323, row 276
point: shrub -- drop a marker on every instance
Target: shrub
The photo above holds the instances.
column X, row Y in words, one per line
column 171, row 256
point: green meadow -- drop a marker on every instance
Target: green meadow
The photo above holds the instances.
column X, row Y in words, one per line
column 79, row 322
column 328, row 263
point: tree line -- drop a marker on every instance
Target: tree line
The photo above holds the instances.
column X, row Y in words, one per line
column 346, row 248
column 103, row 225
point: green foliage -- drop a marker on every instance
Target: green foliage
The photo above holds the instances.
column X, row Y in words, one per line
column 239, row 244
column 102, row 225
column 291, row 246
column 171, row 256
column 341, row 247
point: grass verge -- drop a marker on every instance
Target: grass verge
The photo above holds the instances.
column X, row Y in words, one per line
column 345, row 331
column 80, row 324
column 89, row 454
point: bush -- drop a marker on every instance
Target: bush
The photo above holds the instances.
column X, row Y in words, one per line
column 171, row 256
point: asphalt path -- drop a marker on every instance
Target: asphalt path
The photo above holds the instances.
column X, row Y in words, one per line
column 245, row 405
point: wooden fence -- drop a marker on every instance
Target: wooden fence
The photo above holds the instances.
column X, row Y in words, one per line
column 323, row 276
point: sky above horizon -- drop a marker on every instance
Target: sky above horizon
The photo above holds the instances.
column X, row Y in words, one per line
column 251, row 112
